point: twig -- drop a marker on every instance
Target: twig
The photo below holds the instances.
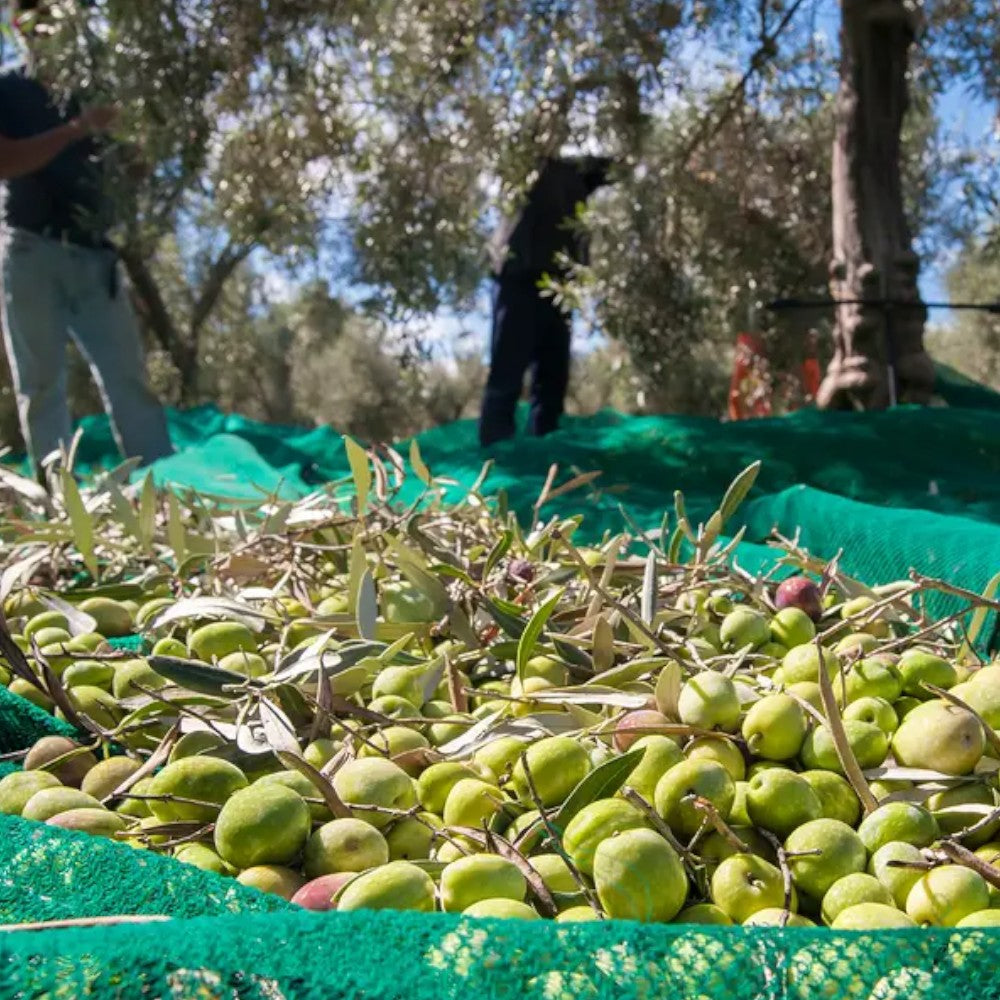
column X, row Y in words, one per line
column 836, row 725
column 459, row 699
column 557, row 840
column 543, row 496
column 324, row 700
column 323, row 785
column 49, row 925
column 963, row 856
column 712, row 815
column 179, row 827
column 187, row 838
column 868, row 614
column 498, row 845
column 806, row 706
column 946, row 588
column 922, row 866
column 178, row 708
column 159, row 756
column 930, row 631
column 979, row 825
column 608, row 598
column 142, row 797
column 786, row 873
column 658, row 822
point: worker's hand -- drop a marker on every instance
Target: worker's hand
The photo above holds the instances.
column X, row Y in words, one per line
column 98, row 118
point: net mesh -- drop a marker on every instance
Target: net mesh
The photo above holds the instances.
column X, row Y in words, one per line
column 427, row 957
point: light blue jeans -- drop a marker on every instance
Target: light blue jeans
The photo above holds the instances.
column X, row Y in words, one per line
column 53, row 291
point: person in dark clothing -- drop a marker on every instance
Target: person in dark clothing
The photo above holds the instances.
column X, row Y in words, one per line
column 60, row 273
column 529, row 330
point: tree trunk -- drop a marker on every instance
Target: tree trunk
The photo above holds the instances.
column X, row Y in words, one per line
column 153, row 312
column 873, row 253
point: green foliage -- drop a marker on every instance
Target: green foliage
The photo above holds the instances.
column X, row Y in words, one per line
column 272, row 129
column 971, row 342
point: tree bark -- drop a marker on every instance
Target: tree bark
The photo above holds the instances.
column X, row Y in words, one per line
column 872, row 244
column 153, row 312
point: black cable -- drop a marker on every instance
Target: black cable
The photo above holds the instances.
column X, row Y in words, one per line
column 778, row 305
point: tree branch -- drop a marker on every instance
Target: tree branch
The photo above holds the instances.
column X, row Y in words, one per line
column 216, row 277
column 153, row 310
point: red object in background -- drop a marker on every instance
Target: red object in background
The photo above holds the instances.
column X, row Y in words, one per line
column 750, row 386
column 811, row 377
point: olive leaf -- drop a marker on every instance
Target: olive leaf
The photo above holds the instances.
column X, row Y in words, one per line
column 412, row 566
column 533, row 631
column 603, row 782
column 213, row 607
column 590, row 695
column 195, row 675
column 147, row 513
column 461, row 627
column 316, row 656
column 968, row 809
column 279, row 733
column 471, row 738
column 979, row 618
column 395, row 652
column 81, row 520
column 529, row 727
column 682, row 519
column 514, row 625
column 738, row 490
column 16, row 573
column 31, row 491
column 573, row 654
column 626, row 672
column 500, row 548
column 895, row 773
column 367, row 606
column 711, row 531
column 417, row 463
column 123, row 511
column 668, row 690
column 431, row 677
column 603, row 651
column 358, row 568
column 676, row 540
column 361, row 471
column 79, row 621
column 175, row 529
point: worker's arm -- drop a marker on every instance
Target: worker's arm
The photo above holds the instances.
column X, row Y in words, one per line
column 25, row 156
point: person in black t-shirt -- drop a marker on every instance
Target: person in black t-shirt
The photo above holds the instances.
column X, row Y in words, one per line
column 61, row 275
column 529, row 330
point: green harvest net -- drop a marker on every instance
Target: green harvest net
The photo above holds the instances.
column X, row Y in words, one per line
column 905, row 489
column 912, row 488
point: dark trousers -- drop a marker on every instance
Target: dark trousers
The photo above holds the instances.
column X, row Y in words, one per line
column 529, row 332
